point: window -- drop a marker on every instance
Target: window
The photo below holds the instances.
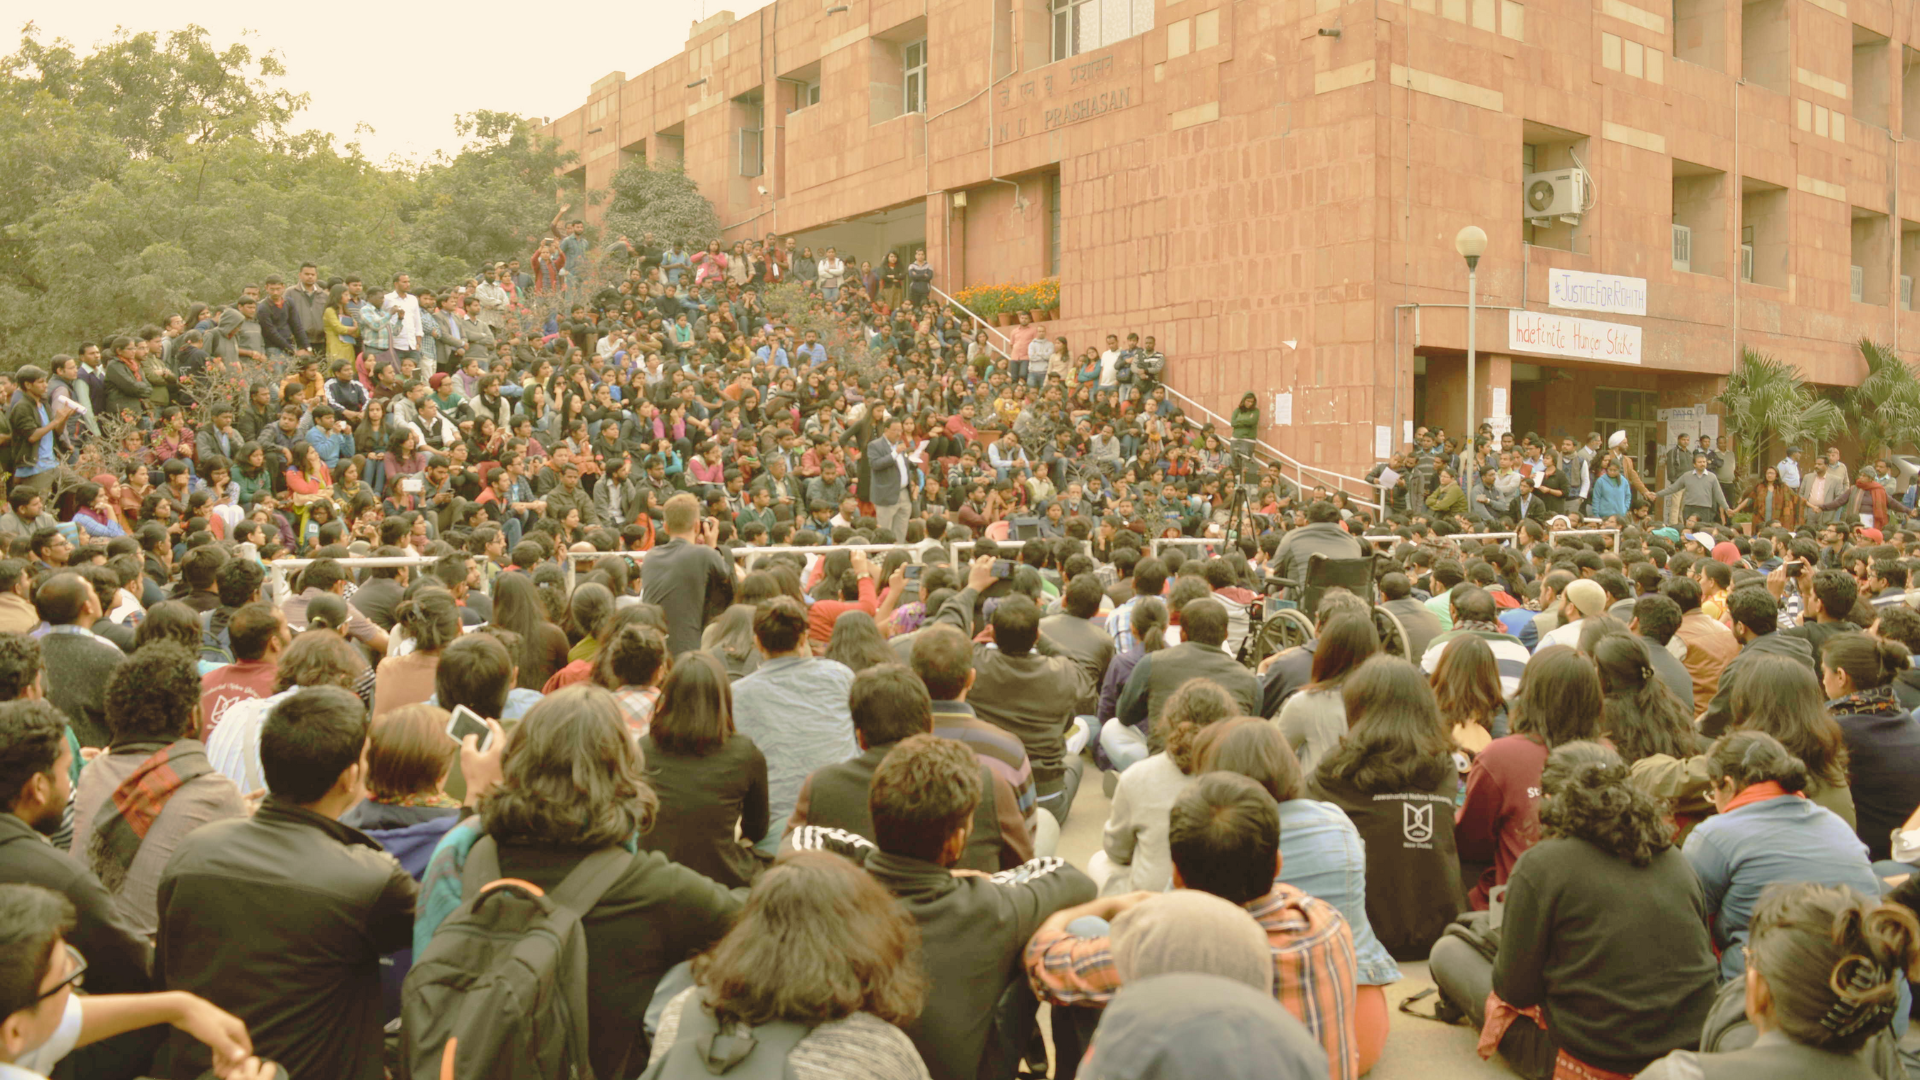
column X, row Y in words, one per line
column 1700, row 32
column 1085, row 25
column 1635, row 412
column 808, row 94
column 750, row 162
column 1765, row 47
column 1910, row 90
column 1053, row 225
column 1699, row 219
column 1872, row 252
column 1763, row 233
column 751, row 118
column 914, row 66
column 1870, row 77
column 1554, row 190
column 1909, row 261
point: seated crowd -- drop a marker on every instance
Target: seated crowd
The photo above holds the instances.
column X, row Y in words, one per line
column 733, row 770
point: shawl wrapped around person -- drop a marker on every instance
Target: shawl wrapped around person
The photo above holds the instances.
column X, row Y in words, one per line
column 1872, row 498
column 136, row 804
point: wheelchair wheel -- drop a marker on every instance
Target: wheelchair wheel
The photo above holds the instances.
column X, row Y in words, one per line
column 1393, row 635
column 1282, row 630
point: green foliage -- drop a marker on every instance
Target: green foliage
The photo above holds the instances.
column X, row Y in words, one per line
column 663, row 200
column 1767, row 399
column 158, row 170
column 1883, row 412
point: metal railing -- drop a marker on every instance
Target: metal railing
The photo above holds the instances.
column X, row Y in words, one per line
column 1508, row 535
column 976, row 322
column 1358, row 489
column 279, row 569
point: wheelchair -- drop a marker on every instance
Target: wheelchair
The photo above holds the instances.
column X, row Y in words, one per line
column 1282, row 627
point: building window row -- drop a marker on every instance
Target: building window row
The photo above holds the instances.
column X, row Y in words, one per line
column 1085, row 25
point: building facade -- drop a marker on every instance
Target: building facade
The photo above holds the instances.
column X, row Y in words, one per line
column 1272, row 188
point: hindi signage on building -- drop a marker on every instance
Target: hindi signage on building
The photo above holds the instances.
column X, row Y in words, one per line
column 1578, row 290
column 1581, row 339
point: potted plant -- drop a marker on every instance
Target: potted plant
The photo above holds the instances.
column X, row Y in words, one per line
column 982, row 300
column 1045, row 297
column 1013, row 300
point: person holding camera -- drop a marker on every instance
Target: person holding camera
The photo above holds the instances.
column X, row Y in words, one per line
column 687, row 576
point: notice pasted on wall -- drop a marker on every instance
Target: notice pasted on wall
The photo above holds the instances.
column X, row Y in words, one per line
column 1563, row 335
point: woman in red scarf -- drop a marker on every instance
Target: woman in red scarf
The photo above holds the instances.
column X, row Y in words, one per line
column 1871, row 498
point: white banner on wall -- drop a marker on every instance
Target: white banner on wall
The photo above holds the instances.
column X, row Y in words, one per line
column 1282, row 409
column 1564, row 335
column 1578, row 290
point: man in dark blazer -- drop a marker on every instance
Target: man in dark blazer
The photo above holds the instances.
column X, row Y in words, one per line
column 892, row 476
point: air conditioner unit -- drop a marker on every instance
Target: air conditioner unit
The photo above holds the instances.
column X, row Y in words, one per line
column 1746, row 262
column 1561, row 193
column 1906, row 291
column 1857, row 283
column 1683, row 249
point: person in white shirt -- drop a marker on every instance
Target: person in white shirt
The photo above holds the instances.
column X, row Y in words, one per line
column 1109, row 363
column 406, row 334
column 1582, row 599
column 1790, row 468
column 492, row 299
column 832, row 271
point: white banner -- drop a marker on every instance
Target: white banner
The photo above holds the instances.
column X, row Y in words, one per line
column 1564, row 335
column 1581, row 291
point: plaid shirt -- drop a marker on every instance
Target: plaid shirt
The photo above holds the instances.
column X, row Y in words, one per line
column 1313, row 967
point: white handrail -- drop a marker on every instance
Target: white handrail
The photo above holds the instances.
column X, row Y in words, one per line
column 1281, row 458
column 1006, row 342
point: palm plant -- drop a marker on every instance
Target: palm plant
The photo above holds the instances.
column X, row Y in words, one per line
column 1884, row 410
column 1767, row 399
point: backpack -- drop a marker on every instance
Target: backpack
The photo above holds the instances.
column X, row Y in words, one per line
column 1123, row 370
column 700, row 1049
column 500, row 993
column 216, row 646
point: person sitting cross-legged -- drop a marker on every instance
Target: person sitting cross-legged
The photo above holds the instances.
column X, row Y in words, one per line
column 924, row 799
column 1224, row 835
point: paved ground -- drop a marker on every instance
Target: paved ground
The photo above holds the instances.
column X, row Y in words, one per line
column 1416, row 1049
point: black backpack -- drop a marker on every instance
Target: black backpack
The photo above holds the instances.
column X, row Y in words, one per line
column 500, row 993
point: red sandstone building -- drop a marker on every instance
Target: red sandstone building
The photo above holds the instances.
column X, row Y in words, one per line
column 1272, row 189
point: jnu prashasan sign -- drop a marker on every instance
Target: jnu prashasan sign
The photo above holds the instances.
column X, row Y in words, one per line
column 1564, row 335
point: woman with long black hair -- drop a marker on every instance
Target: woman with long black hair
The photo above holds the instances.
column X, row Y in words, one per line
column 1604, row 931
column 1883, row 742
column 1559, row 701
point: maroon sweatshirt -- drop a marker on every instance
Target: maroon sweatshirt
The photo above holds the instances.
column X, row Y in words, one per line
column 1498, row 820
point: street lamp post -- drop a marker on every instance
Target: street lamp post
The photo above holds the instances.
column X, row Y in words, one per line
column 1471, row 243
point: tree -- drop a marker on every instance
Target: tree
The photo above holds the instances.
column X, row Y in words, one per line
column 1767, row 399
column 1884, row 410
column 158, row 170
column 662, row 200
column 158, row 95
column 497, row 195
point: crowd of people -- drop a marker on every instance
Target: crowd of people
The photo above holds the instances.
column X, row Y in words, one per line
column 592, row 671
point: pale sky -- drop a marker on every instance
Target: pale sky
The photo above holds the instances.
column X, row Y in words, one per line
column 407, row 68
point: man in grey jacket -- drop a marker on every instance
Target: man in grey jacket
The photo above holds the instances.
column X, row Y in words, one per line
column 1700, row 494
column 1023, row 685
